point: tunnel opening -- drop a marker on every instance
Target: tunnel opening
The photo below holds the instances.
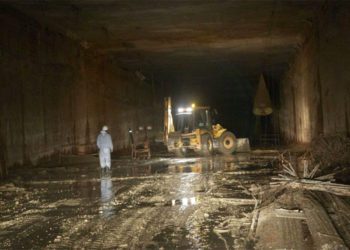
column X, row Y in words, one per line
column 241, row 173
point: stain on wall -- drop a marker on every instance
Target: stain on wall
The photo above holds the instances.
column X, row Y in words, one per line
column 55, row 95
column 315, row 93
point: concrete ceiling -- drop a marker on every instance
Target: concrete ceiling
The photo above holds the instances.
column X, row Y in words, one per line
column 211, row 52
column 171, row 38
column 192, row 46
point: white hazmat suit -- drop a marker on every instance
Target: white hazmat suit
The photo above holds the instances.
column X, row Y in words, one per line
column 105, row 145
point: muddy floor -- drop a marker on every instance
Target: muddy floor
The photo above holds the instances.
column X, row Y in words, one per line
column 163, row 203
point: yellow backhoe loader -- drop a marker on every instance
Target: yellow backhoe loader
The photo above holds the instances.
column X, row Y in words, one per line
column 194, row 131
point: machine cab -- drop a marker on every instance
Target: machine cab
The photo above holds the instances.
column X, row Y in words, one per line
column 187, row 120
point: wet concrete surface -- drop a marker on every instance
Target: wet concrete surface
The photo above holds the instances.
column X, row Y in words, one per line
column 163, row 203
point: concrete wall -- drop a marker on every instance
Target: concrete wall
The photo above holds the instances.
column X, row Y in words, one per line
column 315, row 93
column 55, row 95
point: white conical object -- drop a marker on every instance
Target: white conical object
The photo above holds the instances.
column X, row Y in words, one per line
column 262, row 101
column 168, row 119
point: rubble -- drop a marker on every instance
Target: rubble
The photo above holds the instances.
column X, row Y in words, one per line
column 331, row 151
column 293, row 208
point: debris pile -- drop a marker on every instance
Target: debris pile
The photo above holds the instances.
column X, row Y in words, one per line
column 300, row 208
column 328, row 159
column 331, row 151
column 333, row 155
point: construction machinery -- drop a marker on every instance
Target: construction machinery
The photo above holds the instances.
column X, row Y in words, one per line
column 193, row 130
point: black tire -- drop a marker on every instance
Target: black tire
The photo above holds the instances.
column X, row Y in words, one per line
column 207, row 145
column 227, row 143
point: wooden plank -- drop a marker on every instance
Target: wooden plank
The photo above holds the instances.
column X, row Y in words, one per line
column 275, row 232
column 290, row 213
column 324, row 234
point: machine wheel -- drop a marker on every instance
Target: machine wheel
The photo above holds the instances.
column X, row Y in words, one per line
column 207, row 145
column 227, row 143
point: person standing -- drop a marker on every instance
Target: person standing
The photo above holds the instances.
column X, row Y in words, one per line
column 105, row 146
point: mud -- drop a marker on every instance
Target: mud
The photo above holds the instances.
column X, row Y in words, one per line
column 163, row 203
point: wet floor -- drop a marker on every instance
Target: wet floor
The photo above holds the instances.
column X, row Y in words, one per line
column 163, row 203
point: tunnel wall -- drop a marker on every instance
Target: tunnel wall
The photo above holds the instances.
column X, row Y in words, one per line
column 55, row 94
column 315, row 93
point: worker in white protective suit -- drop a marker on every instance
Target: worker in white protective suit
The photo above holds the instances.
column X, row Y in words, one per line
column 105, row 146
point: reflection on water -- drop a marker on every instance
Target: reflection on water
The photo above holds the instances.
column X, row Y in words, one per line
column 141, row 170
column 195, row 167
column 230, row 166
column 183, row 165
column 107, row 196
column 184, row 201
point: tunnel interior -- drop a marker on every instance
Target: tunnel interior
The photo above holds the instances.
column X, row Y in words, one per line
column 81, row 81
column 68, row 67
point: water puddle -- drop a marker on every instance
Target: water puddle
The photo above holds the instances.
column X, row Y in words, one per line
column 193, row 203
